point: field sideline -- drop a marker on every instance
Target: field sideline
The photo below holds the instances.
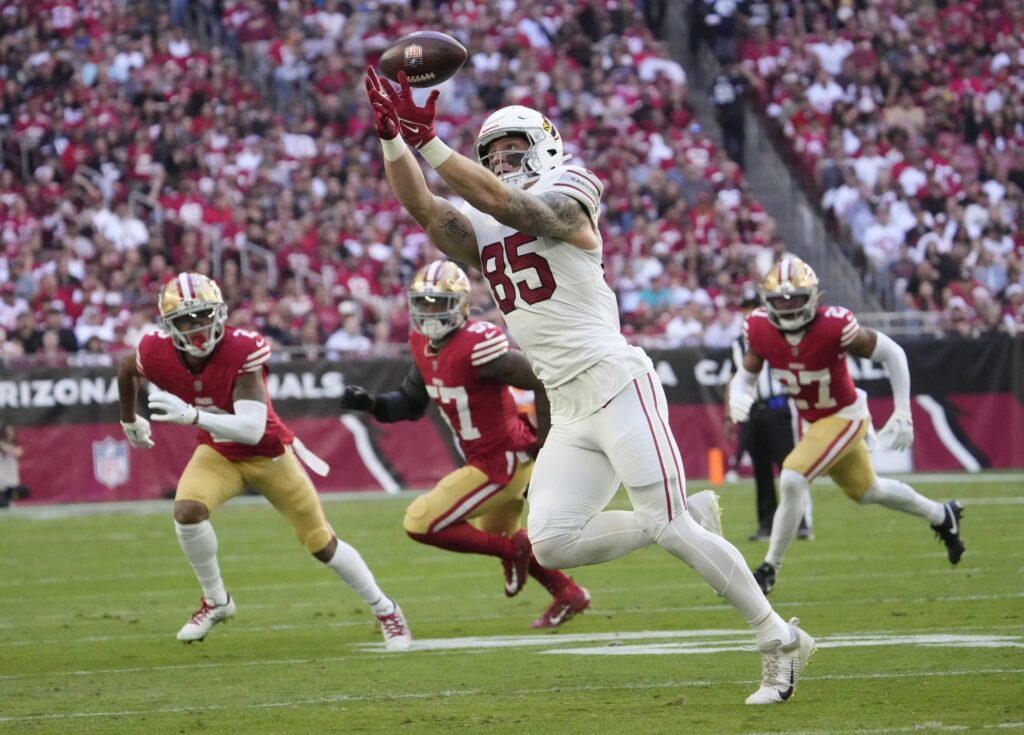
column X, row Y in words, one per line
column 91, row 597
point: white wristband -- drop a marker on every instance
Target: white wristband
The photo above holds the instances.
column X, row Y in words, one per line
column 435, row 152
column 394, row 148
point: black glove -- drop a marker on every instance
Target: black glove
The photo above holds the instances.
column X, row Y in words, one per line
column 356, row 399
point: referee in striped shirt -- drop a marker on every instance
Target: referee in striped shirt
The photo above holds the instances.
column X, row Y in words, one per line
column 768, row 435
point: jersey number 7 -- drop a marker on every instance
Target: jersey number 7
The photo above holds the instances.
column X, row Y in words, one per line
column 493, row 258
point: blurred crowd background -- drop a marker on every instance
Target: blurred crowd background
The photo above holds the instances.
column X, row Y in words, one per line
column 233, row 138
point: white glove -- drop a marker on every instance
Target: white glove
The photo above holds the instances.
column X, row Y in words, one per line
column 171, row 408
column 739, row 406
column 898, row 431
column 138, row 433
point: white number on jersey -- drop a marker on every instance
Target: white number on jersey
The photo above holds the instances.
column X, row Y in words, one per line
column 458, row 394
column 791, row 383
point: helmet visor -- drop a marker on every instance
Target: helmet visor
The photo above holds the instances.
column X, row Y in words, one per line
column 195, row 331
column 504, row 162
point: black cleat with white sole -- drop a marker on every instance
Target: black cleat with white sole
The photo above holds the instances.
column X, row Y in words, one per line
column 764, row 575
column 949, row 531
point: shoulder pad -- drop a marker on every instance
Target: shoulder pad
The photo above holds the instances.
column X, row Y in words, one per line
column 579, row 183
column 148, row 347
column 249, row 349
column 488, row 342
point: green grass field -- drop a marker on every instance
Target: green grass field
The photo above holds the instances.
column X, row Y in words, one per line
column 89, row 605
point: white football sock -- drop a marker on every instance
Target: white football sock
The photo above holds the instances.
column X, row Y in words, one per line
column 772, row 632
column 793, row 489
column 349, row 565
column 199, row 542
column 900, row 496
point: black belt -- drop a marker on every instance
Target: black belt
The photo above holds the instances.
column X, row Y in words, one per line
column 770, row 404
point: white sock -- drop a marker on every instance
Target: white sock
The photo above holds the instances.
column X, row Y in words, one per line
column 199, row 542
column 772, row 632
column 900, row 496
column 719, row 563
column 349, row 565
column 793, row 488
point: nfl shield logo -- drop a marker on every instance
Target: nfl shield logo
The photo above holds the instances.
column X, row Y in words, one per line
column 110, row 462
column 413, row 55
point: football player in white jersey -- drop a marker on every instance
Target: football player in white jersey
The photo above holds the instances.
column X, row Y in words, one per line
column 530, row 225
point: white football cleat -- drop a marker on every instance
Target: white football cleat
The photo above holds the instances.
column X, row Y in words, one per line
column 781, row 668
column 704, row 509
column 205, row 618
column 397, row 636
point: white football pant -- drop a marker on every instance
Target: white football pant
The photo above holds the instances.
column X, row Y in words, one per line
column 578, row 472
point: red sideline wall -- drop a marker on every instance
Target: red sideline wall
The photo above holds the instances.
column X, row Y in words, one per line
column 968, row 413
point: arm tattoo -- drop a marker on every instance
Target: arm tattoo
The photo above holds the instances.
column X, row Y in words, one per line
column 453, row 228
column 549, row 215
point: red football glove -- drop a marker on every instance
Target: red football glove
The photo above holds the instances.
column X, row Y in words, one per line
column 415, row 123
column 384, row 116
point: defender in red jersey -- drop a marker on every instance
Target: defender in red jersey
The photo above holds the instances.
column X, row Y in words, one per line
column 806, row 346
column 467, row 368
column 213, row 377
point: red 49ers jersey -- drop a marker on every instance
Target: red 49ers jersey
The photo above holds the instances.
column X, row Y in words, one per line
column 813, row 371
column 211, row 389
column 481, row 412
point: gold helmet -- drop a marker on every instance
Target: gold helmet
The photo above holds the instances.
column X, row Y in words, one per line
column 439, row 299
column 193, row 312
column 790, row 294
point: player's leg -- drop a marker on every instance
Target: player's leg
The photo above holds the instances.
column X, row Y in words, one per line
column 208, row 481
column 504, row 521
column 782, row 436
column 856, row 476
column 572, row 483
column 760, row 446
column 636, row 435
column 442, row 518
column 825, row 442
column 285, row 483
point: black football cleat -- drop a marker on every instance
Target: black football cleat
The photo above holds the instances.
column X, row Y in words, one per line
column 764, row 575
column 949, row 531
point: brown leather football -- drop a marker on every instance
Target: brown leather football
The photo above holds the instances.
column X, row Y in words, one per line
column 427, row 58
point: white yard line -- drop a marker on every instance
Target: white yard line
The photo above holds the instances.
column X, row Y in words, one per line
column 613, row 643
column 545, row 691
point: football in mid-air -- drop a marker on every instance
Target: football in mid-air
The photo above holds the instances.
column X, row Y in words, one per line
column 427, row 58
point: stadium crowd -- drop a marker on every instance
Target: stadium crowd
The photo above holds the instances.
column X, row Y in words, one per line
column 133, row 149
column 907, row 120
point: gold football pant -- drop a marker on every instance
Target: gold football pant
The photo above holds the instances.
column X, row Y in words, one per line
column 835, row 446
column 468, row 494
column 211, row 479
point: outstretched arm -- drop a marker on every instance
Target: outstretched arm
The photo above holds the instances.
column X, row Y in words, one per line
column 447, row 227
column 550, row 214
